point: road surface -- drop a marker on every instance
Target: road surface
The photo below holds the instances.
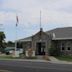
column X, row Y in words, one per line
column 28, row 66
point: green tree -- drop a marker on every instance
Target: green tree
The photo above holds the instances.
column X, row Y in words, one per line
column 10, row 44
column 2, row 41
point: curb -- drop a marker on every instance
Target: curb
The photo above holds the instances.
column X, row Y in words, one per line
column 44, row 61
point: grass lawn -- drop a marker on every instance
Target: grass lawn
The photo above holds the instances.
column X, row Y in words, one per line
column 4, row 57
column 8, row 57
column 64, row 58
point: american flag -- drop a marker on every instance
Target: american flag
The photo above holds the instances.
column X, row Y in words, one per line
column 17, row 21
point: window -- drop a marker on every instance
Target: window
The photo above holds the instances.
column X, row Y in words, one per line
column 68, row 45
column 63, row 44
column 63, row 48
column 68, row 48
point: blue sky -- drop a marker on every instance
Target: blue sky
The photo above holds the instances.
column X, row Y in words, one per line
column 55, row 13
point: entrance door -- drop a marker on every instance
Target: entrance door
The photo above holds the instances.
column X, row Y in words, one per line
column 40, row 48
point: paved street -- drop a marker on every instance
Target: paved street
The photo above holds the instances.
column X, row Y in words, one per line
column 28, row 66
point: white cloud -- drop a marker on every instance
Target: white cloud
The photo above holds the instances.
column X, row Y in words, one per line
column 29, row 10
column 5, row 17
column 54, row 13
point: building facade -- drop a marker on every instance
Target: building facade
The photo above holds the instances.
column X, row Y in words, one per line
column 41, row 42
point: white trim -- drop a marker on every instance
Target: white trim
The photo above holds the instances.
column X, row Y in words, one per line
column 61, row 38
column 54, row 35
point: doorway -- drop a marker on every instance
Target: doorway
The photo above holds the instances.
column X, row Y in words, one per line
column 40, row 48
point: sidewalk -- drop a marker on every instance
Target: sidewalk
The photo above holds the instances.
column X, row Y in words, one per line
column 55, row 60
column 52, row 60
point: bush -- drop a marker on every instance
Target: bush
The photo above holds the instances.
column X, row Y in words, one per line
column 54, row 51
column 2, row 50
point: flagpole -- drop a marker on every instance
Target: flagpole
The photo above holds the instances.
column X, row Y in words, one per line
column 16, row 39
column 16, row 34
column 40, row 19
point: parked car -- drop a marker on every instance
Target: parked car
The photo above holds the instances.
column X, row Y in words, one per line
column 9, row 50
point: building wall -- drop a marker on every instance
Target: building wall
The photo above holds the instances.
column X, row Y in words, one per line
column 41, row 37
column 65, row 46
column 26, row 45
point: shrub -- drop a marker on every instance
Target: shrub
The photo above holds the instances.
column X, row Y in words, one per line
column 54, row 51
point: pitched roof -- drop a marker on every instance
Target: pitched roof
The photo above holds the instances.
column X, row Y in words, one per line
column 25, row 39
column 61, row 33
